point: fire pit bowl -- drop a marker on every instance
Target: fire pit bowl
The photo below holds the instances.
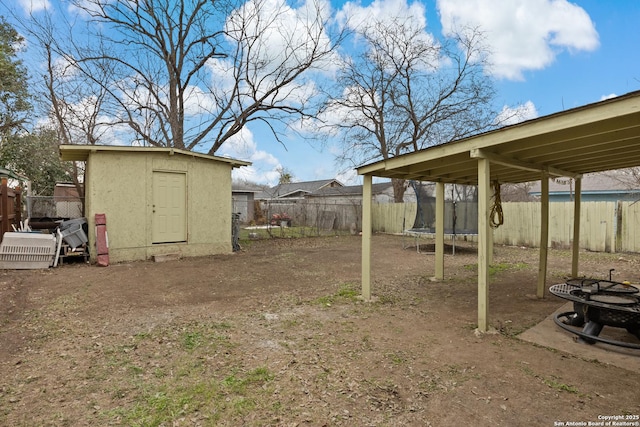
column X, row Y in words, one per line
column 596, row 304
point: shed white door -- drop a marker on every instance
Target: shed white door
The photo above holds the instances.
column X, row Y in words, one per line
column 169, row 221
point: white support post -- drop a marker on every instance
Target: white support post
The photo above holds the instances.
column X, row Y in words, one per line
column 575, row 246
column 544, row 235
column 490, row 243
column 484, row 230
column 439, row 231
column 366, row 236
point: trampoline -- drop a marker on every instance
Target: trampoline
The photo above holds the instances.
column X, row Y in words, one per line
column 460, row 219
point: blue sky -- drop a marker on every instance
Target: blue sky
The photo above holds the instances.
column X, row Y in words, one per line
column 548, row 55
column 589, row 54
column 579, row 77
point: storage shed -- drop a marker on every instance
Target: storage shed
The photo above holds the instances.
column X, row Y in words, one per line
column 157, row 201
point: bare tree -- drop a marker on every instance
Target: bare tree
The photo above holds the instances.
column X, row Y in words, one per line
column 516, row 192
column 408, row 91
column 75, row 102
column 629, row 178
column 191, row 74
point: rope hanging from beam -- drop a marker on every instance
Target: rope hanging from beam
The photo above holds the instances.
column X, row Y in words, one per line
column 496, row 216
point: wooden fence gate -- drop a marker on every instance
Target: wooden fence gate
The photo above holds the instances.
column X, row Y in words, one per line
column 10, row 207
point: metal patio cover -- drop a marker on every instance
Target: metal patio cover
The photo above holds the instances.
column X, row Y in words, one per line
column 597, row 137
column 594, row 138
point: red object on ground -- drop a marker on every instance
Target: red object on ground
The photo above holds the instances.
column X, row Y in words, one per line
column 102, row 240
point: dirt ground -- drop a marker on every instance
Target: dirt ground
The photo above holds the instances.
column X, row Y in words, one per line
column 276, row 335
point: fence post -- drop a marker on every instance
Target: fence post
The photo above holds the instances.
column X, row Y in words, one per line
column 17, row 198
column 618, row 227
column 4, row 205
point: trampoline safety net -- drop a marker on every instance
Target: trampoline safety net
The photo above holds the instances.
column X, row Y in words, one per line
column 460, row 209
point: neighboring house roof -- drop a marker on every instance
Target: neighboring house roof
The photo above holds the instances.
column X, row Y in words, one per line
column 350, row 190
column 298, row 189
column 594, row 183
column 81, row 153
column 240, row 187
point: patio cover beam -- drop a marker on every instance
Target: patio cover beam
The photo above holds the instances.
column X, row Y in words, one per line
column 519, row 164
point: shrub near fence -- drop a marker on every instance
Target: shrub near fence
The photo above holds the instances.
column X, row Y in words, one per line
column 604, row 226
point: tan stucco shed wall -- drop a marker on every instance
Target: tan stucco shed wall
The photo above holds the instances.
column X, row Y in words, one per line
column 119, row 184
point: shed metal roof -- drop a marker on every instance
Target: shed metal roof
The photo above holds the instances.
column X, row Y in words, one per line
column 81, row 153
column 592, row 138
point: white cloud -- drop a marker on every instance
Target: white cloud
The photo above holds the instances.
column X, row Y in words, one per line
column 78, row 114
column 382, row 17
column 355, row 16
column 278, row 37
column 264, row 168
column 521, row 113
column 611, row 95
column 63, row 68
column 242, row 146
column 222, row 74
column 198, row 101
column 33, row 6
column 336, row 113
column 349, row 177
column 522, row 34
column 255, row 175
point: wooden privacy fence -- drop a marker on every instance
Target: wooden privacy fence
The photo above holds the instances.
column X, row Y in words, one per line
column 628, row 236
column 604, row 226
column 323, row 216
column 393, row 217
column 10, row 207
column 597, row 226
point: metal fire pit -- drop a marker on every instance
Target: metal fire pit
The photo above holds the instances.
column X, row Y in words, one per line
column 596, row 304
